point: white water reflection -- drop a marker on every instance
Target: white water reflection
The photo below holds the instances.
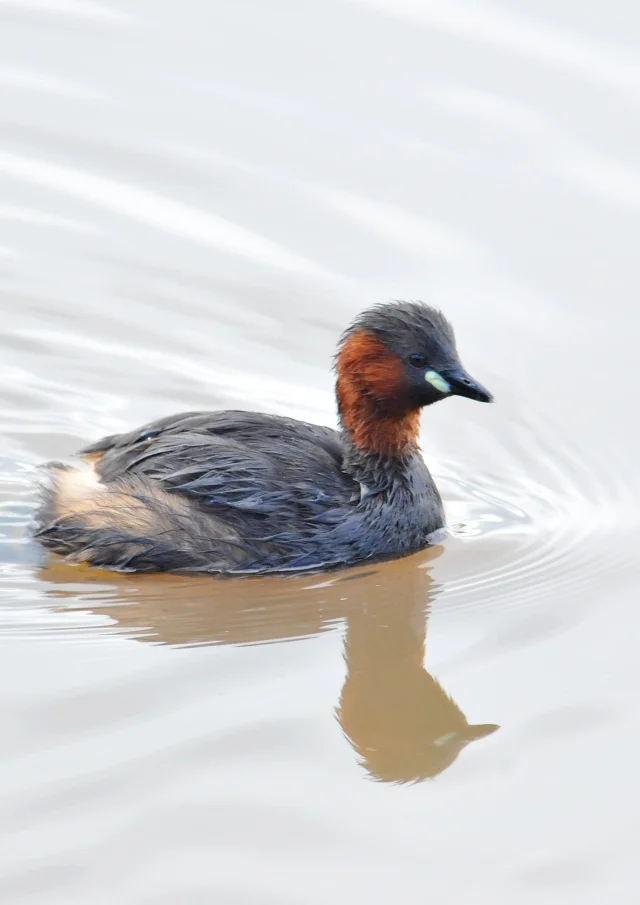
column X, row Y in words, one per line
column 520, row 35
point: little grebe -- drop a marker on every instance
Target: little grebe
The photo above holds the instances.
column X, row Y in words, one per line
column 246, row 493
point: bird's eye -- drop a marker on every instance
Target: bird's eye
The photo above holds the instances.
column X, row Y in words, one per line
column 418, row 361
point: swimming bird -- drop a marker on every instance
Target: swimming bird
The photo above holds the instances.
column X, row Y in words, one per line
column 241, row 493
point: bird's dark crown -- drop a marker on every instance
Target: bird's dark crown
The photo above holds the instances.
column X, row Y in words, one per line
column 408, row 328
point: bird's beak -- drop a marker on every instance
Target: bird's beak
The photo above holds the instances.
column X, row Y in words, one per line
column 461, row 384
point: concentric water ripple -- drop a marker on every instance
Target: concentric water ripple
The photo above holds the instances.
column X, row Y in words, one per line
column 563, row 519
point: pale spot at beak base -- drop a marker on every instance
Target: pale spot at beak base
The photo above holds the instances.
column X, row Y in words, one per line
column 437, row 381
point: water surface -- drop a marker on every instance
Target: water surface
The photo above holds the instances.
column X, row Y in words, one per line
column 195, row 199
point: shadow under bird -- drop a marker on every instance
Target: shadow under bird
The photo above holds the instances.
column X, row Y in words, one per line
column 240, row 493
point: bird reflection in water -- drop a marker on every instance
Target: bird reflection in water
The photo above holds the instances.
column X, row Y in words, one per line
column 396, row 716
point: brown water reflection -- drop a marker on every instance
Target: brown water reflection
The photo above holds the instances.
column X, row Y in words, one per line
column 399, row 720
